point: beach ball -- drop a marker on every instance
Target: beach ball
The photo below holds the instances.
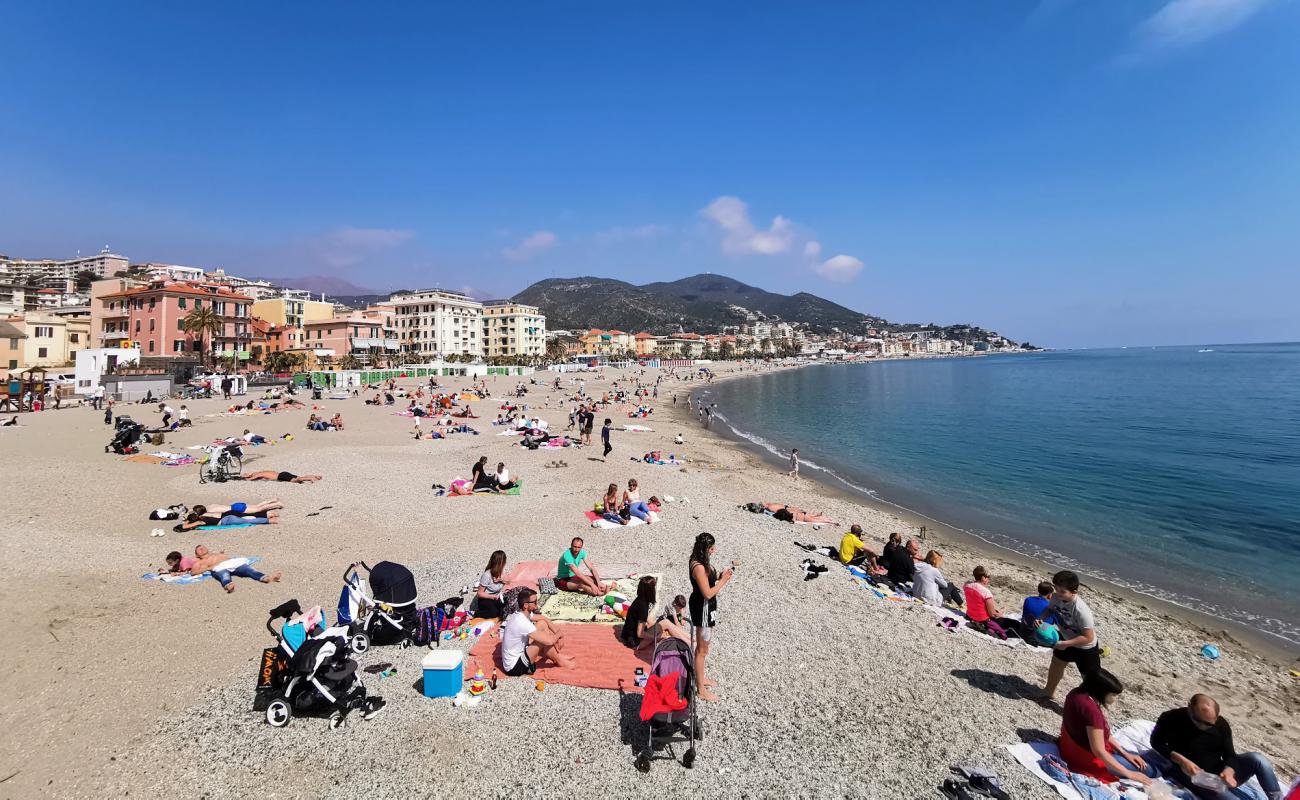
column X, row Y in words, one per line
column 1047, row 634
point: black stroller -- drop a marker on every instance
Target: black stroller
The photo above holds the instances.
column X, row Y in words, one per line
column 309, row 670
column 672, row 656
column 386, row 613
column 126, row 433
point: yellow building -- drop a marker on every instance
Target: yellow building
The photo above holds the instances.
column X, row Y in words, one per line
column 292, row 311
column 513, row 329
column 48, row 339
column 12, row 357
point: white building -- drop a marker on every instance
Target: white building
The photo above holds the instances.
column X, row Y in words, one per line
column 513, row 329
column 94, row 363
column 54, row 274
column 173, row 271
column 437, row 322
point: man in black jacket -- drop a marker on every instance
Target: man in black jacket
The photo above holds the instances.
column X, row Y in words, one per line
column 901, row 563
column 1198, row 740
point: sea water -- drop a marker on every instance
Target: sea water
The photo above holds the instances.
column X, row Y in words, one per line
column 1174, row 471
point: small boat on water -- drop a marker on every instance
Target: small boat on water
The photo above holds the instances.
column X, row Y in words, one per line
column 1205, row 350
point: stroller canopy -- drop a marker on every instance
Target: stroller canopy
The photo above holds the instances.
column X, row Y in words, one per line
column 392, row 583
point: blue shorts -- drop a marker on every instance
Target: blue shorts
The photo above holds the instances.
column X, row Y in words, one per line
column 238, row 508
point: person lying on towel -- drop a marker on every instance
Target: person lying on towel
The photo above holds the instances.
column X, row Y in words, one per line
column 223, row 567
column 527, row 637
column 266, row 513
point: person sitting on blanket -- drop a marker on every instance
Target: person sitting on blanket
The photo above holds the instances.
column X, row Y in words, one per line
column 283, row 477
column 901, row 564
column 527, row 637
column 207, row 561
column 483, row 480
column 1033, row 608
column 1196, row 739
column 610, row 508
column 930, row 586
column 637, row 627
column 336, row 422
column 490, row 587
column 567, row 577
column 851, row 552
column 634, row 504
column 787, row 513
column 983, row 611
column 502, row 479
column 1085, row 741
column 233, row 514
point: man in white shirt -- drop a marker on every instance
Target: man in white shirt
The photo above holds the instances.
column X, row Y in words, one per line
column 527, row 637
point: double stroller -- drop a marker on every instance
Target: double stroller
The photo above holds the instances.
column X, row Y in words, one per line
column 126, row 433
column 672, row 657
column 380, row 608
column 309, row 670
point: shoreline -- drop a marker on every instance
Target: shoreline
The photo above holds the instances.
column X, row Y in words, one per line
column 1275, row 649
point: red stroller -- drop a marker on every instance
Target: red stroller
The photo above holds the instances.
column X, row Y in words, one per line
column 673, row 661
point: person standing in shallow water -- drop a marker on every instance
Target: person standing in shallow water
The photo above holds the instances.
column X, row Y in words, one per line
column 794, row 463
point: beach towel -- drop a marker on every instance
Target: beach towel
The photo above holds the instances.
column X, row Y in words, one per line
column 602, row 661
column 597, row 521
column 1134, row 736
column 637, row 429
column 222, row 527
column 142, row 458
column 575, row 607
column 186, row 579
column 514, row 491
column 948, row 613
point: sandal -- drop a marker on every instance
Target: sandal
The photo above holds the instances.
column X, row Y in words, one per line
column 955, row 790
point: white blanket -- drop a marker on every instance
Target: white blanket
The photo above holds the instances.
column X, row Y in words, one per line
column 605, row 524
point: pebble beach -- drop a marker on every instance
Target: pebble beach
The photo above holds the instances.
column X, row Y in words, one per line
column 122, row 687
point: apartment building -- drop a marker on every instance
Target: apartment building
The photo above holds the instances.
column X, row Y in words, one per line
column 47, row 339
column 152, row 317
column 12, row 339
column 366, row 335
column 437, row 322
column 54, row 274
column 292, row 309
column 513, row 329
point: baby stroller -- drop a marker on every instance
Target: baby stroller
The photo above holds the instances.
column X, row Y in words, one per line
column 126, row 433
column 672, row 656
column 384, row 612
column 309, row 669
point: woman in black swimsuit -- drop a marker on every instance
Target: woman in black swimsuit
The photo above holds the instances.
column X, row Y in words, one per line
column 703, row 605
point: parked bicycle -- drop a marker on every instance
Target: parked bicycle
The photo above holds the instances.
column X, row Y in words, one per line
column 221, row 463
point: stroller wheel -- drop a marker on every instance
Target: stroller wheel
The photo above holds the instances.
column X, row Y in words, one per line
column 642, row 763
column 688, row 758
column 406, row 643
column 359, row 643
column 338, row 720
column 279, row 713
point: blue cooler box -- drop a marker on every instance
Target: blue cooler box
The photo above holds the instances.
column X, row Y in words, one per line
column 444, row 673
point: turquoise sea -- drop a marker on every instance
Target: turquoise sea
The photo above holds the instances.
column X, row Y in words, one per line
column 1174, row 471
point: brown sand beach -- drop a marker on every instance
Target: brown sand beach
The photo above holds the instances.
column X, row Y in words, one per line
column 119, row 686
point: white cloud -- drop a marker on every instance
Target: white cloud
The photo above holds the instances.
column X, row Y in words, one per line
column 348, row 247
column 812, row 249
column 840, row 269
column 1184, row 23
column 532, row 244
column 730, row 215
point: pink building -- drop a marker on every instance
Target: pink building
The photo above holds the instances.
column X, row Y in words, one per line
column 153, row 316
column 364, row 334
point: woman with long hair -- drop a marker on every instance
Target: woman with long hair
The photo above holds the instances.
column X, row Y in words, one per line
column 632, row 501
column 703, row 605
column 637, row 627
column 610, row 505
column 1085, row 740
column 491, row 585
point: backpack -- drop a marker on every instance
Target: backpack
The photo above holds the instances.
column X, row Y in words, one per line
column 426, row 625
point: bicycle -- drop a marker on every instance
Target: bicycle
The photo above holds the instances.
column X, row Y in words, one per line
column 221, row 464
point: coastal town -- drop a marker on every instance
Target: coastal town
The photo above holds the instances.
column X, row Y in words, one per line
column 85, row 317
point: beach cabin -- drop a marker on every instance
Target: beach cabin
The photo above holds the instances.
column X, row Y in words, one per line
column 94, row 364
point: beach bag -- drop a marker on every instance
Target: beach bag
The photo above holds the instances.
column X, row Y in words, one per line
column 426, row 626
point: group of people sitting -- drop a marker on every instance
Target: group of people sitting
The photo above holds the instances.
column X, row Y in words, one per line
column 318, row 423
column 621, row 510
column 484, row 481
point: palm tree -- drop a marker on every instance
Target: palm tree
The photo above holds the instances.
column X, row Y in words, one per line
column 283, row 361
column 202, row 321
column 349, row 361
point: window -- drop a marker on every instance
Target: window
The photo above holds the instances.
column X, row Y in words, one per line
column 137, row 326
column 198, row 302
column 151, row 322
column 13, row 343
column 178, row 346
column 181, row 303
column 180, row 324
column 44, row 332
column 151, row 345
column 42, row 352
column 13, row 363
column 75, row 338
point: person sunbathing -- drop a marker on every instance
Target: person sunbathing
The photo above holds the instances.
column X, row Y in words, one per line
column 222, row 566
column 527, row 638
column 234, row 514
column 283, row 477
column 567, row 577
column 788, row 513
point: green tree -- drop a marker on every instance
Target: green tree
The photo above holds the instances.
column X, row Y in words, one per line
column 726, row 351
column 556, row 351
column 86, row 277
column 283, row 361
column 349, row 361
column 204, row 322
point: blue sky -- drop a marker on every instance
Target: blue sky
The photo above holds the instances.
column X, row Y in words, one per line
column 1072, row 173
